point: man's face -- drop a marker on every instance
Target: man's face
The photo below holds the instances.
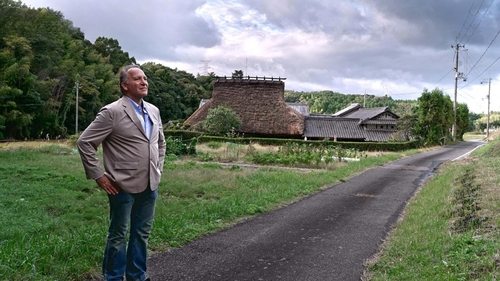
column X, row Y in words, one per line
column 136, row 85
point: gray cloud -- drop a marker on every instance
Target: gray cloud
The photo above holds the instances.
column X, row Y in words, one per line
column 146, row 29
column 437, row 23
column 383, row 46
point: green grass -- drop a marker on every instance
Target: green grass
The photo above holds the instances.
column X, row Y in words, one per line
column 473, row 136
column 52, row 218
column 54, row 221
column 428, row 245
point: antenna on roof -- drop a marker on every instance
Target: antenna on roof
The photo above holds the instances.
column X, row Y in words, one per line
column 246, row 65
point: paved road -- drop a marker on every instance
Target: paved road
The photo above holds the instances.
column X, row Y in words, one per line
column 327, row 236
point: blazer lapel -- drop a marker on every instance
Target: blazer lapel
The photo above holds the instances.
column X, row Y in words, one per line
column 129, row 110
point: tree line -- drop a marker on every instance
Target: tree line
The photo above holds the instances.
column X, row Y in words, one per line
column 43, row 57
column 329, row 102
column 429, row 118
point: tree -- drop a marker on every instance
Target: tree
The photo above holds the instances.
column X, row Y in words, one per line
column 17, row 96
column 472, row 120
column 176, row 93
column 42, row 56
column 111, row 49
column 238, row 74
column 328, row 102
column 480, row 123
column 221, row 120
column 462, row 120
column 207, row 81
column 434, row 114
column 406, row 126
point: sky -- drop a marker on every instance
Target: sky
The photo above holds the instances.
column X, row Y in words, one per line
column 387, row 47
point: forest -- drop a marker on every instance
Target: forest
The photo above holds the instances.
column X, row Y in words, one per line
column 45, row 61
column 43, row 58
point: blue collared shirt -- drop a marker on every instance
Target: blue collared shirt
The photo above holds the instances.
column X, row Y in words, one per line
column 143, row 116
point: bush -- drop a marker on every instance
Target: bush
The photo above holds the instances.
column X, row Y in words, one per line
column 362, row 146
column 221, row 121
column 305, row 154
column 73, row 139
column 177, row 146
column 182, row 134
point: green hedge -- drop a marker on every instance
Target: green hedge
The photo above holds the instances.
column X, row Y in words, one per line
column 179, row 146
column 362, row 146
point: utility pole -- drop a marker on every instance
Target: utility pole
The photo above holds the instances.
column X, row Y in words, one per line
column 457, row 76
column 76, row 108
column 488, row 118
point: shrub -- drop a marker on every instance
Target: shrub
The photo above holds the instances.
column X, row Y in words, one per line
column 178, row 146
column 221, row 121
column 465, row 201
column 305, row 154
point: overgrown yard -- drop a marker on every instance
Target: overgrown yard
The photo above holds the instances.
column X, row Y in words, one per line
column 451, row 228
column 54, row 221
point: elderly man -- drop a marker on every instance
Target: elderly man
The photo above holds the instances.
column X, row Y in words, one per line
column 131, row 133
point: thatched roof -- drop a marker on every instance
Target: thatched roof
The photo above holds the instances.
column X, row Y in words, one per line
column 260, row 104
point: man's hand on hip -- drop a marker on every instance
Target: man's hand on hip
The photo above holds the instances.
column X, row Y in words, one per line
column 109, row 186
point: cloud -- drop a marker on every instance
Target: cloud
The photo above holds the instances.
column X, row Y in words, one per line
column 145, row 29
column 382, row 47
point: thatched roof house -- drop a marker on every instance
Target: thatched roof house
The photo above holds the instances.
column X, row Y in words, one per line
column 260, row 104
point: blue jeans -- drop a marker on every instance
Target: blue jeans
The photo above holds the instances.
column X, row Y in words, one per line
column 136, row 210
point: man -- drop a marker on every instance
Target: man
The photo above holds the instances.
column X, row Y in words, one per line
column 131, row 134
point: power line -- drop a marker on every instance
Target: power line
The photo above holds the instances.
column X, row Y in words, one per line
column 487, row 48
column 444, row 76
column 473, row 19
column 484, row 71
column 489, row 66
column 479, row 23
column 449, row 71
column 463, row 93
column 465, row 21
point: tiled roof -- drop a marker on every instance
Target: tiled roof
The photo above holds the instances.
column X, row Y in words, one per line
column 344, row 112
column 331, row 127
column 317, row 126
column 366, row 113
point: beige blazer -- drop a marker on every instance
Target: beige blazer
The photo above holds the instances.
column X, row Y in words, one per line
column 130, row 159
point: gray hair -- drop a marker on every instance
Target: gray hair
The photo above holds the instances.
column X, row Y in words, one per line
column 124, row 73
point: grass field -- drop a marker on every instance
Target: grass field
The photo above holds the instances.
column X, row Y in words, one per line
column 474, row 136
column 451, row 228
column 54, row 220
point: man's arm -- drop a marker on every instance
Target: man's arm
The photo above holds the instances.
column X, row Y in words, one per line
column 88, row 142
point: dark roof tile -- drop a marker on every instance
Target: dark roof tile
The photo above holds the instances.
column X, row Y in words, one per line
column 342, row 128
